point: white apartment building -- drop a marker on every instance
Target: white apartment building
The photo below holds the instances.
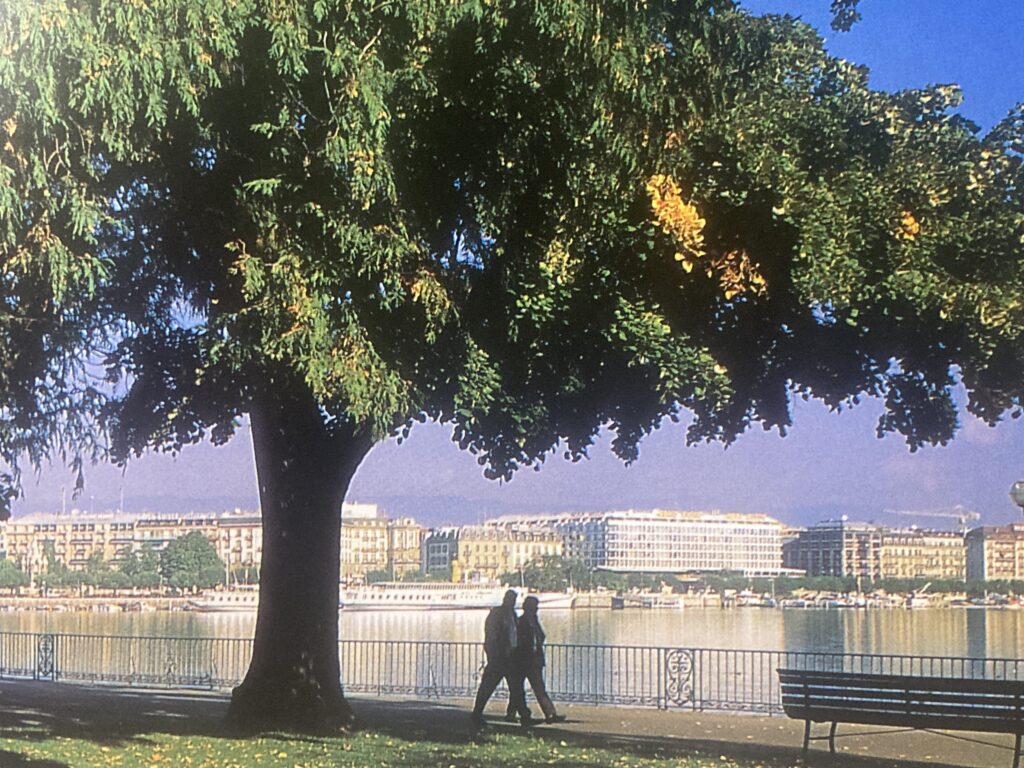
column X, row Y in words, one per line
column 665, row 540
column 239, row 540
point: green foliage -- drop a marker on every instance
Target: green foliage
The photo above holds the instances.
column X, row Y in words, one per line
column 444, row 575
column 443, row 210
column 546, row 574
column 844, row 14
column 995, row 587
column 56, row 573
column 97, row 573
column 377, row 576
column 11, row 576
column 142, row 568
column 191, row 562
column 787, row 585
column 719, row 582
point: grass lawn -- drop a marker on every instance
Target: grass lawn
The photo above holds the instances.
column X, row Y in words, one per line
column 363, row 749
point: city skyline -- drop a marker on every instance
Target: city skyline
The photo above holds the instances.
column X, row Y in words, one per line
column 829, row 465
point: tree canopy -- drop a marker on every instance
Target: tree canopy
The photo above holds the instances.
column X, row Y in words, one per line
column 530, row 220
column 191, row 562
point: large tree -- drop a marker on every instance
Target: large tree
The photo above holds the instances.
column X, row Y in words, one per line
column 528, row 219
column 191, row 562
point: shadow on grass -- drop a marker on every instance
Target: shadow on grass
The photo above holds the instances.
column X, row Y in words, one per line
column 448, row 723
column 14, row 760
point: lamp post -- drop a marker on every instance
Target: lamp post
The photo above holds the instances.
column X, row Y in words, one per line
column 1017, row 494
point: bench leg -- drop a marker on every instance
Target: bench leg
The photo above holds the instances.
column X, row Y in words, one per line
column 1016, row 752
column 807, row 736
column 832, row 737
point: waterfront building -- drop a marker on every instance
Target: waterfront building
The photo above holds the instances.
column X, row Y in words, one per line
column 71, row 541
column 487, row 552
column 916, row 553
column 440, row 548
column 157, row 531
column 868, row 551
column 364, row 541
column 239, row 540
column 369, row 541
column 664, row 540
column 837, row 548
column 405, row 539
column 995, row 552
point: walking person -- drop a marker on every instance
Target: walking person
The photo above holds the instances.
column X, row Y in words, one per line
column 529, row 662
column 500, row 642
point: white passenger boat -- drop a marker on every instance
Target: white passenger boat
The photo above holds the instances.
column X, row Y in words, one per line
column 551, row 601
column 390, row 596
column 420, row 596
column 434, row 596
column 226, row 601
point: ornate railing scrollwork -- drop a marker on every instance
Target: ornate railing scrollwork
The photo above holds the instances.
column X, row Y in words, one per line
column 678, row 677
column 46, row 668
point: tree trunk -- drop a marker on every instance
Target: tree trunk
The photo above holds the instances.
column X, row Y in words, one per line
column 303, row 470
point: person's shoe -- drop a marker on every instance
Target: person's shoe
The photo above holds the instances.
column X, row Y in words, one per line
column 510, row 717
column 478, row 721
column 528, row 722
column 554, row 719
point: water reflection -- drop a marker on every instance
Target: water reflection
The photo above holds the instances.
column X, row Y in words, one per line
column 939, row 632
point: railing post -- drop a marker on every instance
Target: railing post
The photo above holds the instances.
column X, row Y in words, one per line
column 661, row 695
column 46, row 666
column 698, row 665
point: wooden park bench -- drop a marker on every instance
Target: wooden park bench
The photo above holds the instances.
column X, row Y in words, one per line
column 903, row 701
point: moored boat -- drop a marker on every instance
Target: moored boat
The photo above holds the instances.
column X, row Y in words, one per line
column 420, row 596
column 551, row 601
column 226, row 601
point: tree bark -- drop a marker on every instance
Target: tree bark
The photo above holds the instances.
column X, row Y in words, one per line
column 304, row 470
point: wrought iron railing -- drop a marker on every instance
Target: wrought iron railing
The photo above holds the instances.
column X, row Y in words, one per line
column 645, row 676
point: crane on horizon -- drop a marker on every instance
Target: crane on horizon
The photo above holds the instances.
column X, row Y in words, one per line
column 959, row 513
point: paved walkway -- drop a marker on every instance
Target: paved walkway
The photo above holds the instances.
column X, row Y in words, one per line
column 105, row 713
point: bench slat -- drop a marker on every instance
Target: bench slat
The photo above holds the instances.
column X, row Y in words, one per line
column 852, row 679
column 815, row 690
column 842, row 715
column 922, row 708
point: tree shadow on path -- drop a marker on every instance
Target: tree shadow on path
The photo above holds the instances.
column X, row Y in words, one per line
column 116, row 716
column 34, row 711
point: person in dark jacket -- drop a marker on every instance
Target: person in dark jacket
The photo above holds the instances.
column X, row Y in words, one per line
column 529, row 662
column 500, row 643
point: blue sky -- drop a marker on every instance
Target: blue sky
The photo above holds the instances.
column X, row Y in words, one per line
column 829, row 464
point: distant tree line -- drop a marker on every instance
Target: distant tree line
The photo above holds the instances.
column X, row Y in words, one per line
column 187, row 563
column 556, row 573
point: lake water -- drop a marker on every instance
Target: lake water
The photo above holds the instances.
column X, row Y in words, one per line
column 930, row 631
